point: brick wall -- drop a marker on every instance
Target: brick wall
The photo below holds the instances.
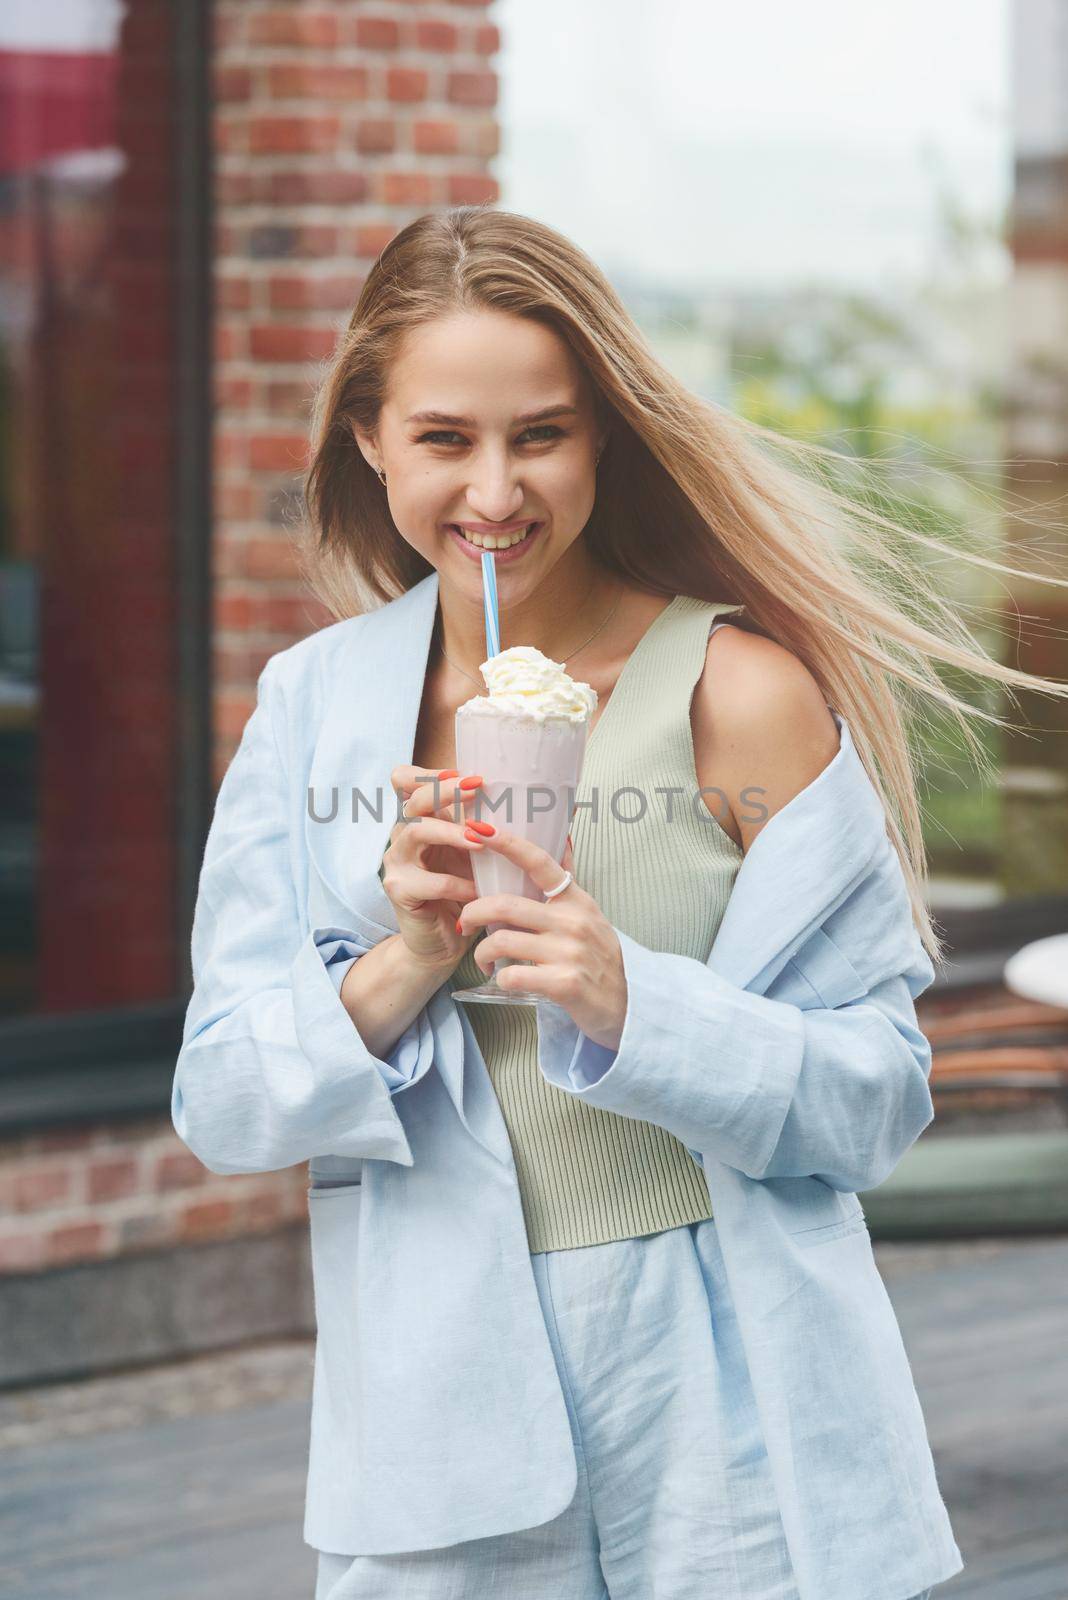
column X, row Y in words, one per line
column 335, row 124
column 94, row 1193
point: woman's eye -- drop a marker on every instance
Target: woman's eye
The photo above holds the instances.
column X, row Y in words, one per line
column 545, row 428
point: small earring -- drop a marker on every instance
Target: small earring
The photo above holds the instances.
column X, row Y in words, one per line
column 382, row 475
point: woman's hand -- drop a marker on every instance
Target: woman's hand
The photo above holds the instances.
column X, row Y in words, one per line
column 578, row 962
column 427, row 864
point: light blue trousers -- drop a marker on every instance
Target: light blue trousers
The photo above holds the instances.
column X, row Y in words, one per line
column 674, row 1496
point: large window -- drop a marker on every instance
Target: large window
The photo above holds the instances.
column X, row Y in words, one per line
column 102, row 332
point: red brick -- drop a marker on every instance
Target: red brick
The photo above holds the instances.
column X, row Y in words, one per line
column 232, row 711
column 432, row 35
column 112, row 1177
column 436, row 138
column 264, row 1208
column 307, row 81
column 220, row 762
column 472, row 188
column 277, row 342
column 483, row 138
column 228, row 341
column 334, row 186
column 229, row 449
column 232, row 394
column 77, row 1241
column 376, row 33
column 376, row 135
column 316, row 29
column 486, row 40
column 178, row 1169
column 406, row 84
column 39, row 1188
column 292, row 135
column 234, row 611
column 472, row 88
column 289, row 614
column 233, row 188
column 282, row 398
column 371, row 238
column 227, row 30
column 232, row 292
column 407, row 188
column 271, row 559
column 318, row 292
column 232, row 83
column 229, row 135
column 206, row 1219
column 278, row 452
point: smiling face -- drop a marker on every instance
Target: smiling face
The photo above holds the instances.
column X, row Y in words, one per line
column 488, row 426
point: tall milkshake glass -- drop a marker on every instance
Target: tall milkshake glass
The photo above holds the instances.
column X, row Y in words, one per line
column 527, row 738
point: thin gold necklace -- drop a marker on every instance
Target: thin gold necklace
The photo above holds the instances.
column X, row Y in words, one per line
column 569, row 657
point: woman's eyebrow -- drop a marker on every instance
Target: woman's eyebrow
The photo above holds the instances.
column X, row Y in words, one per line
column 468, row 422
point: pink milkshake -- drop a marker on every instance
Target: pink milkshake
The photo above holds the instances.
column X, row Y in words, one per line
column 527, row 738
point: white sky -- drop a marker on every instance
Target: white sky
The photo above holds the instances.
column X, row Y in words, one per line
column 695, row 142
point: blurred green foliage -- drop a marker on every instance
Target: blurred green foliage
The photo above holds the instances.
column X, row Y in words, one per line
column 847, row 372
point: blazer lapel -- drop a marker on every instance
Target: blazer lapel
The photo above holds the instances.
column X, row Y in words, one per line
column 804, row 862
column 368, row 728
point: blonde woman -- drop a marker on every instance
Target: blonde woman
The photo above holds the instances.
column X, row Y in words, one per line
column 597, row 1309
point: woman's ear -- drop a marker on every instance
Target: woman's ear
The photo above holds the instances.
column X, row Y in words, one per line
column 368, row 447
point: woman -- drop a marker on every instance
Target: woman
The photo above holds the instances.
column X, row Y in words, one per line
column 597, row 1309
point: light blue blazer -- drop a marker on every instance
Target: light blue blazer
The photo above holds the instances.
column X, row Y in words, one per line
column 790, row 1064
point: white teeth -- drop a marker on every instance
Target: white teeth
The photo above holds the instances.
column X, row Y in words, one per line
column 489, row 541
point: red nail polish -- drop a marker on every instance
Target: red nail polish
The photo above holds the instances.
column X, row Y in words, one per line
column 482, row 827
column 475, row 838
column 453, row 773
column 472, row 782
column 458, row 927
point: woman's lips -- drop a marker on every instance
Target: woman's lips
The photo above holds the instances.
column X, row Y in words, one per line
column 500, row 557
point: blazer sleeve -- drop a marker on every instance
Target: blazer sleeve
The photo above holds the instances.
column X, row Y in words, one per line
column 771, row 1088
column 272, row 1070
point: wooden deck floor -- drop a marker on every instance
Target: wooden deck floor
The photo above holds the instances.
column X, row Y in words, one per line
column 188, row 1481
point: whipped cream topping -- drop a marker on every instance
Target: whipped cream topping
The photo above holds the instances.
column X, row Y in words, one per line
column 524, row 683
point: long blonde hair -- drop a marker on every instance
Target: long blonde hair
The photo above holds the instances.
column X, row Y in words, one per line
column 691, row 499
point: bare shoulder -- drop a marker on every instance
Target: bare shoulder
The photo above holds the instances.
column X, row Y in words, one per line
column 762, row 730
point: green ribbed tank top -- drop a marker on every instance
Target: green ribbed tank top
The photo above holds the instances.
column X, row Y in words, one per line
column 587, row 1175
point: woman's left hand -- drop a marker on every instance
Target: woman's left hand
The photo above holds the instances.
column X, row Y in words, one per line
column 578, row 963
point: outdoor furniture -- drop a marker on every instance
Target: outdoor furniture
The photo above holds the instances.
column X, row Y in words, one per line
column 996, row 1062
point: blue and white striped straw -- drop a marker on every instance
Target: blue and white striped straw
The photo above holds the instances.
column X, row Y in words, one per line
column 489, row 603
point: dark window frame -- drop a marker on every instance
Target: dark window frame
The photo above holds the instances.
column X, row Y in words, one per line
column 80, row 1067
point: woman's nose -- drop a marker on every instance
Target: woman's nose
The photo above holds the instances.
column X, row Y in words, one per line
column 495, row 493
